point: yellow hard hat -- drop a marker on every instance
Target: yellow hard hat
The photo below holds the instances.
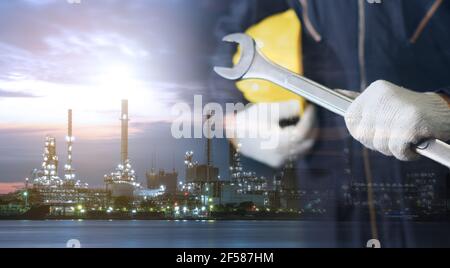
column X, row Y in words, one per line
column 278, row 38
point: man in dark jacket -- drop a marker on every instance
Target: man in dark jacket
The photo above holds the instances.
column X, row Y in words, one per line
column 365, row 159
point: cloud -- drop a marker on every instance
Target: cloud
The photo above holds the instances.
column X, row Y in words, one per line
column 14, row 130
column 17, row 94
column 39, row 2
column 52, row 55
column 93, row 44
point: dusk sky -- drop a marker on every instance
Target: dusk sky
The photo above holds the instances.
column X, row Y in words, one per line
column 88, row 56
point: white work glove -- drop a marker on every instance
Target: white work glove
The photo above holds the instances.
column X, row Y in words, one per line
column 391, row 119
column 262, row 138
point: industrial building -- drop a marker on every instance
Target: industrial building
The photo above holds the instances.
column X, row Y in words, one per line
column 62, row 194
column 122, row 181
column 46, row 177
column 243, row 186
column 167, row 181
column 231, row 193
column 202, row 180
column 202, row 174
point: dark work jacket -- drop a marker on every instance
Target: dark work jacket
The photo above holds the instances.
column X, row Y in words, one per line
column 348, row 44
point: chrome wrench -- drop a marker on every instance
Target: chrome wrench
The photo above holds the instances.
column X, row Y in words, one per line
column 253, row 65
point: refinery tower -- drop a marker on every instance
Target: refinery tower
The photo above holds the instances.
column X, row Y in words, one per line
column 47, row 175
column 122, row 181
column 53, row 189
column 69, row 172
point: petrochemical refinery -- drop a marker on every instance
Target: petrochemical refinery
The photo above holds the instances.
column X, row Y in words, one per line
column 199, row 193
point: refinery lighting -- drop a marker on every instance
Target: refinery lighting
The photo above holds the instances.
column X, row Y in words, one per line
column 69, row 172
column 67, row 194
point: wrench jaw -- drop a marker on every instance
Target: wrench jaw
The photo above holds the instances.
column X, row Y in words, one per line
column 247, row 45
column 228, row 73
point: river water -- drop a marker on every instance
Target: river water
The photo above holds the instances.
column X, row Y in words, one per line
column 192, row 234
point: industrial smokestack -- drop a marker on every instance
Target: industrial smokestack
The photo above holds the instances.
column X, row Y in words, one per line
column 68, row 169
column 208, row 139
column 124, row 136
column 208, row 146
column 69, row 121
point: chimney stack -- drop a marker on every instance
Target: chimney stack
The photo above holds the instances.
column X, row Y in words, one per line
column 124, row 136
column 68, row 170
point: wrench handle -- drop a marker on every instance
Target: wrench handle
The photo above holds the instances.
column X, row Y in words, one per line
column 331, row 100
column 436, row 150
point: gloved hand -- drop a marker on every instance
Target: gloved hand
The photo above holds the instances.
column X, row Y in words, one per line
column 272, row 144
column 390, row 119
